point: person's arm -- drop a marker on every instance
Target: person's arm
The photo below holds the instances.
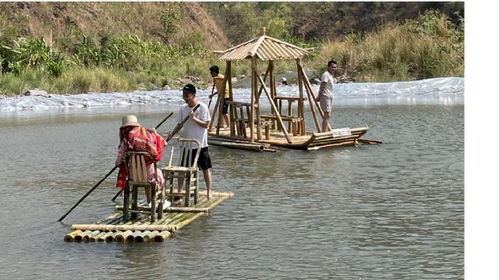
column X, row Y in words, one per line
column 121, row 153
column 321, row 89
column 216, row 87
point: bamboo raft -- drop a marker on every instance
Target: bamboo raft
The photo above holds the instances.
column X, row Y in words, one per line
column 113, row 228
column 284, row 125
column 309, row 141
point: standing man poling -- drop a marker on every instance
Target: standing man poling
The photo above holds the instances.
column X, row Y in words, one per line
column 196, row 128
column 325, row 96
column 218, row 80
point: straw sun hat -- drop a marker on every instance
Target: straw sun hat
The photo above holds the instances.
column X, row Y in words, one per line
column 129, row 120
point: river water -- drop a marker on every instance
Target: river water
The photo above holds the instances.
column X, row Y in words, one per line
column 390, row 211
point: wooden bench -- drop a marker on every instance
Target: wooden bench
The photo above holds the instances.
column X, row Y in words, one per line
column 294, row 123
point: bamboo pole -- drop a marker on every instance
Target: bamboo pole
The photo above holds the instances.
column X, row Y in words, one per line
column 221, row 96
column 309, row 86
column 253, row 95
column 122, row 227
column 188, row 221
column 232, row 108
column 284, row 130
column 216, row 109
column 301, row 105
column 370, row 141
column 244, row 146
column 273, row 92
column 310, row 97
column 346, row 143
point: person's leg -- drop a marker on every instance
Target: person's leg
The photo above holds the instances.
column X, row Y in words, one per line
column 225, row 113
column 225, row 118
column 207, row 181
column 325, row 122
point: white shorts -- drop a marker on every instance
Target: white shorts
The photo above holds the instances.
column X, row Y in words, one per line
column 326, row 103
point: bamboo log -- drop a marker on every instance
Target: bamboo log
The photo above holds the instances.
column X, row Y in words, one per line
column 80, row 237
column 98, row 236
column 219, row 194
column 188, row 220
column 71, row 236
column 244, row 146
column 122, row 227
column 149, row 235
column 370, row 141
column 348, row 143
column 217, row 202
column 162, row 236
column 124, row 236
column 88, row 235
column 109, row 237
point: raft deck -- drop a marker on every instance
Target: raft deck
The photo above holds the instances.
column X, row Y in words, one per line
column 113, row 228
column 309, row 141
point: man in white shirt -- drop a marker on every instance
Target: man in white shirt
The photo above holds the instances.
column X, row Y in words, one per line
column 196, row 128
column 325, row 96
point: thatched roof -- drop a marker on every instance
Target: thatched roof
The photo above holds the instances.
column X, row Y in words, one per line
column 264, row 48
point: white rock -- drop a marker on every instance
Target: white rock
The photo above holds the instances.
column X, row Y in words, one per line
column 36, row 92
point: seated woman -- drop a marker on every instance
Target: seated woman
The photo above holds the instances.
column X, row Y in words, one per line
column 134, row 137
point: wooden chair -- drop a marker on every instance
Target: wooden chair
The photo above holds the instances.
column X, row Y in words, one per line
column 137, row 178
column 185, row 154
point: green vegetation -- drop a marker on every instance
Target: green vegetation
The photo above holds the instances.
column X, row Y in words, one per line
column 430, row 45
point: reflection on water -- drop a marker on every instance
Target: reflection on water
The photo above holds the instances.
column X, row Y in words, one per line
column 391, row 211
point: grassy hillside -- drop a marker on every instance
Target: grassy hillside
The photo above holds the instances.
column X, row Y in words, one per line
column 104, row 47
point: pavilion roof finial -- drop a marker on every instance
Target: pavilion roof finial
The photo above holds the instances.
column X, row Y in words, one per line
column 263, row 31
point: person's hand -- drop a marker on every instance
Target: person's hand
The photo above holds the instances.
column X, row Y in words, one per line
column 192, row 115
column 318, row 98
column 118, row 161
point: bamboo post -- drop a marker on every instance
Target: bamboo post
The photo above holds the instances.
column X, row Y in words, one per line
column 252, row 109
column 311, row 98
column 272, row 104
column 309, row 86
column 265, row 79
column 221, row 96
column 231, row 98
column 273, row 92
column 301, row 110
column 257, row 104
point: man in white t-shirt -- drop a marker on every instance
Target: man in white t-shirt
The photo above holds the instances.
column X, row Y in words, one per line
column 325, row 96
column 196, row 128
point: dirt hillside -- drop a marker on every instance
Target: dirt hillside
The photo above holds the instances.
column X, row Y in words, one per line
column 54, row 21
